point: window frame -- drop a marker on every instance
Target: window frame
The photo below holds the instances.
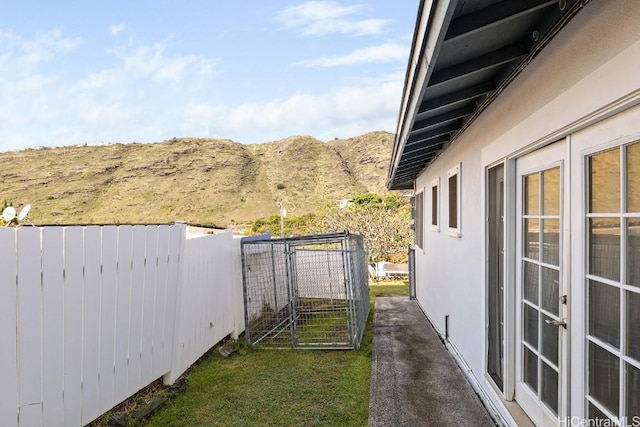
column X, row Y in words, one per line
column 418, row 219
column 435, row 205
column 457, row 230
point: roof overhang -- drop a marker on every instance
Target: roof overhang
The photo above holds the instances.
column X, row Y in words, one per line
column 464, row 53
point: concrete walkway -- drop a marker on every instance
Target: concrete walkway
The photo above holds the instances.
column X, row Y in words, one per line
column 414, row 379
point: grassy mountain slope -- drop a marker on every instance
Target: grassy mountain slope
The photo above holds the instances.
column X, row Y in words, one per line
column 205, row 181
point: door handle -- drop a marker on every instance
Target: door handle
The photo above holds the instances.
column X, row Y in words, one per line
column 562, row 322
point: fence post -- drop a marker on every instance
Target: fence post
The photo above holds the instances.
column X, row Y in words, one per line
column 237, row 267
column 176, row 346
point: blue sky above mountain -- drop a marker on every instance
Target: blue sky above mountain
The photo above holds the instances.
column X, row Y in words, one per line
column 252, row 71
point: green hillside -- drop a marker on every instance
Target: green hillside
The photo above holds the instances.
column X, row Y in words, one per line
column 202, row 181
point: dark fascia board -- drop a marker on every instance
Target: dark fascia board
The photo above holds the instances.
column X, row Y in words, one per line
column 411, row 78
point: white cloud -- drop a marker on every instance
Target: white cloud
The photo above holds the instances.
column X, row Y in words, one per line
column 388, row 52
column 152, row 64
column 316, row 11
column 23, row 54
column 149, row 94
column 31, row 96
column 345, row 112
column 329, row 17
column 136, row 99
column 116, row 29
column 152, row 61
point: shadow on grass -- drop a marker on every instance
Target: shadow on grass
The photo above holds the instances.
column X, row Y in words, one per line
column 279, row 387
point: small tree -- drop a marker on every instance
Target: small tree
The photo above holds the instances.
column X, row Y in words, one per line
column 383, row 223
column 293, row 225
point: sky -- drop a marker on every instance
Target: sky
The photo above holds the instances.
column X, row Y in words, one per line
column 108, row 71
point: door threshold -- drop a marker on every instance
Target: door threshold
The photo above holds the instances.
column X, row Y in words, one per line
column 518, row 415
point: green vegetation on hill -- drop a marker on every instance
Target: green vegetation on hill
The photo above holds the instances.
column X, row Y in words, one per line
column 382, row 222
column 202, row 181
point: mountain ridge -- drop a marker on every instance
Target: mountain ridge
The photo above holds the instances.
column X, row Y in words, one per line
column 200, row 180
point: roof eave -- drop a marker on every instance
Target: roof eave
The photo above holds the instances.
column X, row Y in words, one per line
column 434, row 17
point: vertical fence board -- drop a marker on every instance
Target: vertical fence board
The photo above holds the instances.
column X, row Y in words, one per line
column 193, row 307
column 237, row 279
column 123, row 301
column 224, row 261
column 180, row 340
column 108, row 304
column 8, row 350
column 215, row 290
column 149, row 295
column 91, row 323
column 189, row 310
column 53, row 325
column 230, row 295
column 220, row 289
column 158, row 346
column 135, row 313
column 172, row 320
column 199, row 303
column 29, row 327
column 207, row 307
column 206, row 298
column 73, row 289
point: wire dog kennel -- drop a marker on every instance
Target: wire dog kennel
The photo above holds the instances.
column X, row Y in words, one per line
column 306, row 292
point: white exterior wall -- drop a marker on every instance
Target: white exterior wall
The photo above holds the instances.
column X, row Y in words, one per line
column 587, row 73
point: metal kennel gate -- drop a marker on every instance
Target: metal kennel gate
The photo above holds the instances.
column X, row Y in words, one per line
column 306, row 292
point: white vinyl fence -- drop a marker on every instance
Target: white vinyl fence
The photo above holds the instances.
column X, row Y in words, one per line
column 91, row 315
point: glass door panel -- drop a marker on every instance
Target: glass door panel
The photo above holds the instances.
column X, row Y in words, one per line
column 612, row 278
column 541, row 284
column 541, row 336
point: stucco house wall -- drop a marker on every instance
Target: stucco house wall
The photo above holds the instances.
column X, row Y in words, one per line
column 589, row 72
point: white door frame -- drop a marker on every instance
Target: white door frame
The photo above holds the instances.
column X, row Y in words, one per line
column 608, row 134
column 545, row 158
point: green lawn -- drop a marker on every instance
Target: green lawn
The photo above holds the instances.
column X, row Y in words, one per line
column 279, row 387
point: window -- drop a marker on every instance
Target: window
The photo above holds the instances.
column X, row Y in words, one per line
column 435, row 192
column 454, row 201
column 613, row 283
column 418, row 219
